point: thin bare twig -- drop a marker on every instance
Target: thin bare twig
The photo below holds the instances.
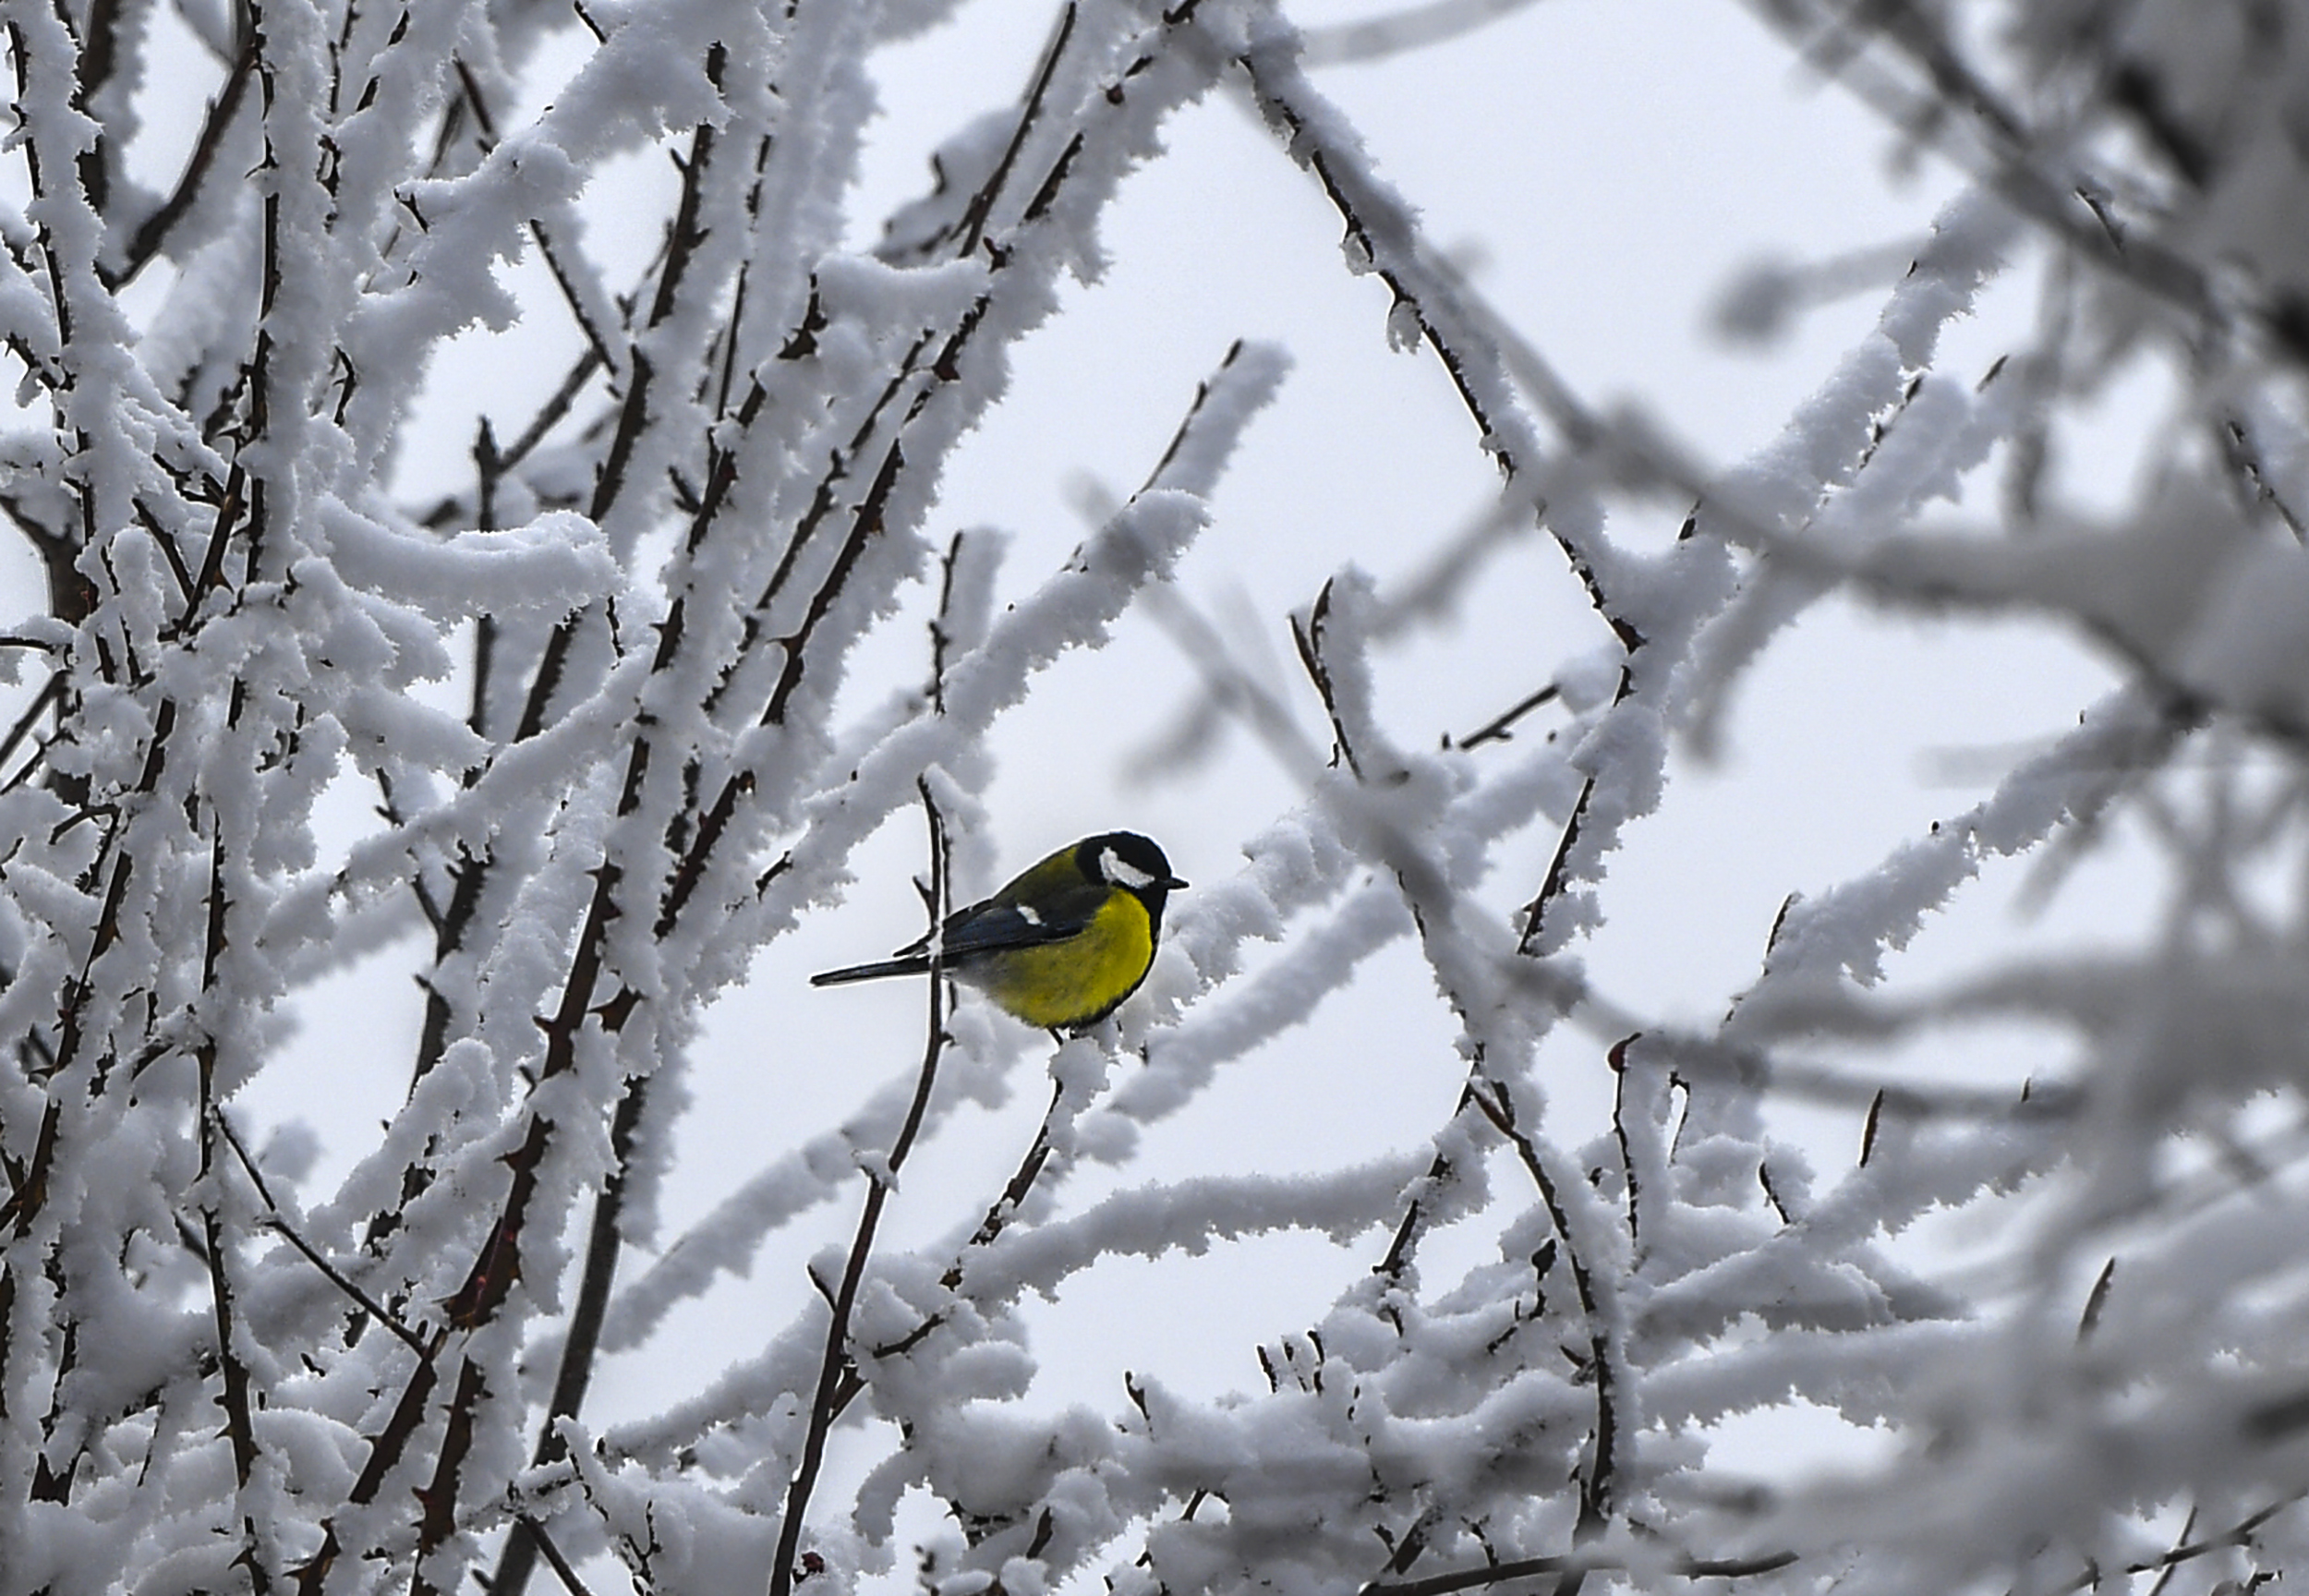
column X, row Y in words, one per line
column 880, row 1181
column 1571, row 1564
column 1500, row 728
column 281, row 1226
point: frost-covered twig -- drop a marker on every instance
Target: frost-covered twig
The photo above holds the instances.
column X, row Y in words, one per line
column 881, row 1171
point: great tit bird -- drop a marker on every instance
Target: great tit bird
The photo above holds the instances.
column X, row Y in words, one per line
column 1062, row 946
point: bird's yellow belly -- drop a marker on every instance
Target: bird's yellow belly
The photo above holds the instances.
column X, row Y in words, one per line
column 1078, row 981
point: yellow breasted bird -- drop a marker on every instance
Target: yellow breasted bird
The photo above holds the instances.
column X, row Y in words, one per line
column 1063, row 944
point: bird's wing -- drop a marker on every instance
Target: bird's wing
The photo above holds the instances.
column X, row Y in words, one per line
column 1000, row 923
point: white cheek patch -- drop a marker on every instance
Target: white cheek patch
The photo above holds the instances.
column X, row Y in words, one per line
column 1121, row 872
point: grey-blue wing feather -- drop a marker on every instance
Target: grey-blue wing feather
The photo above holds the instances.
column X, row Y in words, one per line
column 995, row 925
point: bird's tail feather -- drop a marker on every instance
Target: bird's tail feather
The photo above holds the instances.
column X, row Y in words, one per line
column 916, row 965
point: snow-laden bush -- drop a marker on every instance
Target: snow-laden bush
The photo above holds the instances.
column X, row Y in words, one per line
column 571, row 742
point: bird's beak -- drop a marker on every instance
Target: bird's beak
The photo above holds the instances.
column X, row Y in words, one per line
column 1172, row 884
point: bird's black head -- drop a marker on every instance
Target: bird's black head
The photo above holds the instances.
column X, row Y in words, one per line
column 1127, row 859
